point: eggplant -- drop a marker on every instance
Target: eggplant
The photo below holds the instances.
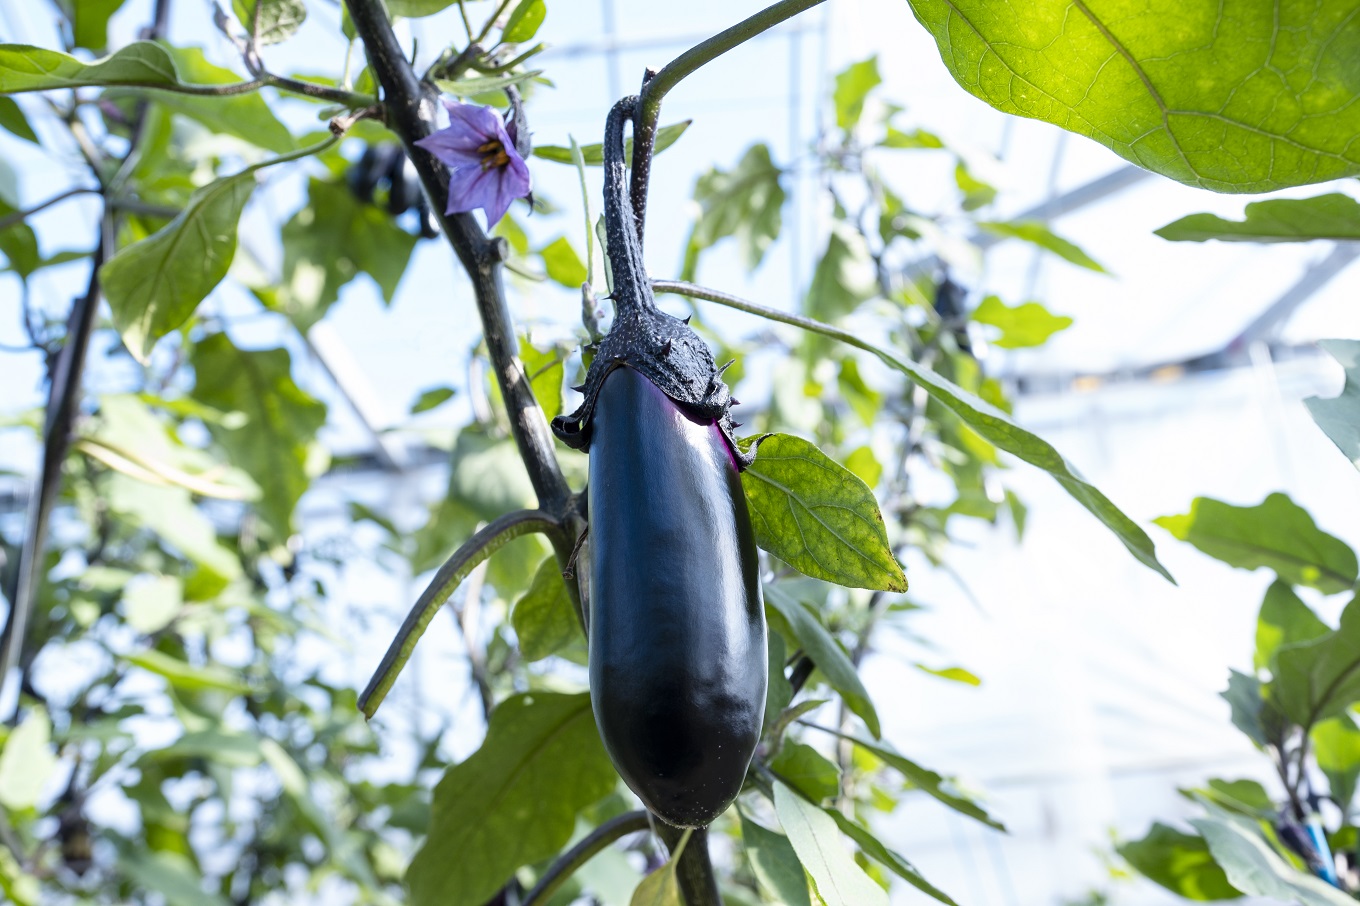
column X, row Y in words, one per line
column 677, row 651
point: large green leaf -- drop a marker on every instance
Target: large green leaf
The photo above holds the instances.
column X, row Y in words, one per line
column 1251, row 713
column 1339, row 417
column 90, row 21
column 1319, row 678
column 186, row 676
column 27, row 761
column 807, row 770
column 1336, row 746
column 818, row 516
column 813, row 833
column 924, row 779
column 27, row 68
column 824, row 651
column 1333, row 216
column 1284, row 620
column 1254, row 868
column 170, row 512
column 872, row 847
column 1022, row 326
column 513, row 802
column 281, row 421
column 328, row 243
column 524, row 22
column 154, row 285
column 246, row 116
column 774, row 863
column 1237, row 97
column 543, row 618
column 1276, row 533
column 744, row 202
column 1179, row 862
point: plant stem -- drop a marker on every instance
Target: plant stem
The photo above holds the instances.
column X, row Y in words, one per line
column 698, row 883
column 656, row 87
column 583, row 852
column 455, row 569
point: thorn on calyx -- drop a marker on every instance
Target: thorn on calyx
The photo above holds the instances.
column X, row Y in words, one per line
column 666, row 350
column 735, row 401
column 686, row 318
column 729, row 364
column 736, row 425
column 580, row 388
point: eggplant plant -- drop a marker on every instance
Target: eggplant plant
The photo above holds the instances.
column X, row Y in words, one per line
column 719, row 586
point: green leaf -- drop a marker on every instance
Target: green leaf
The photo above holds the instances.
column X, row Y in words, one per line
column 1336, row 746
column 19, row 244
column 953, row 674
column 245, row 115
column 818, row 516
column 1037, row 234
column 745, row 202
column 278, row 20
column 1284, row 620
column 27, row 761
column 844, row 276
column 543, row 619
column 1254, row 868
column 863, row 399
column 1245, row 797
column 183, row 675
column 473, row 86
column 1333, row 216
column 171, row 874
column 90, row 21
column 546, row 372
column 824, row 651
column 923, row 779
column 660, row 888
column 171, row 514
column 513, row 802
column 813, row 834
column 1025, row 325
column 431, row 399
column 562, row 263
column 1276, row 533
column 1179, row 862
column 12, row 120
column 807, row 770
column 1250, row 712
column 593, row 155
column 977, row 193
column 778, row 689
column 872, row 847
column 152, row 603
column 416, row 9
column 915, row 139
column 863, row 463
column 1249, row 99
column 154, row 285
column 853, row 85
column 524, row 22
column 273, row 445
column 237, row 750
column 328, row 243
column 774, row 863
column 1319, row 678
column 1339, row 417
column 27, row 68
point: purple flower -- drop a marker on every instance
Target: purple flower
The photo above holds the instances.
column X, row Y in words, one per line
column 486, row 170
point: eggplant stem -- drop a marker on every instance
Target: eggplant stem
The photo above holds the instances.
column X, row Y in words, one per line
column 476, row 549
column 572, row 860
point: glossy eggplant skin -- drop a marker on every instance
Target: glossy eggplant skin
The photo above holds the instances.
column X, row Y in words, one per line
column 677, row 627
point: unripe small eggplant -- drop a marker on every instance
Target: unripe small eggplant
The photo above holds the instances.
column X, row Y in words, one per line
column 677, row 628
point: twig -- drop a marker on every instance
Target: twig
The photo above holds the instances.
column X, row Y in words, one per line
column 10, row 220
column 656, row 87
column 585, row 850
column 475, row 550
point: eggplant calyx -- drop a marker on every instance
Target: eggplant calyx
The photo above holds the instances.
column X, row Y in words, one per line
column 664, row 349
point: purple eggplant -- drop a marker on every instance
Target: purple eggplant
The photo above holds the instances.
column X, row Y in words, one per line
column 677, row 628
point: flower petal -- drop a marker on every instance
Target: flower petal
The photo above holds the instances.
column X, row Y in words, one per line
column 470, row 188
column 470, row 118
column 452, row 148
